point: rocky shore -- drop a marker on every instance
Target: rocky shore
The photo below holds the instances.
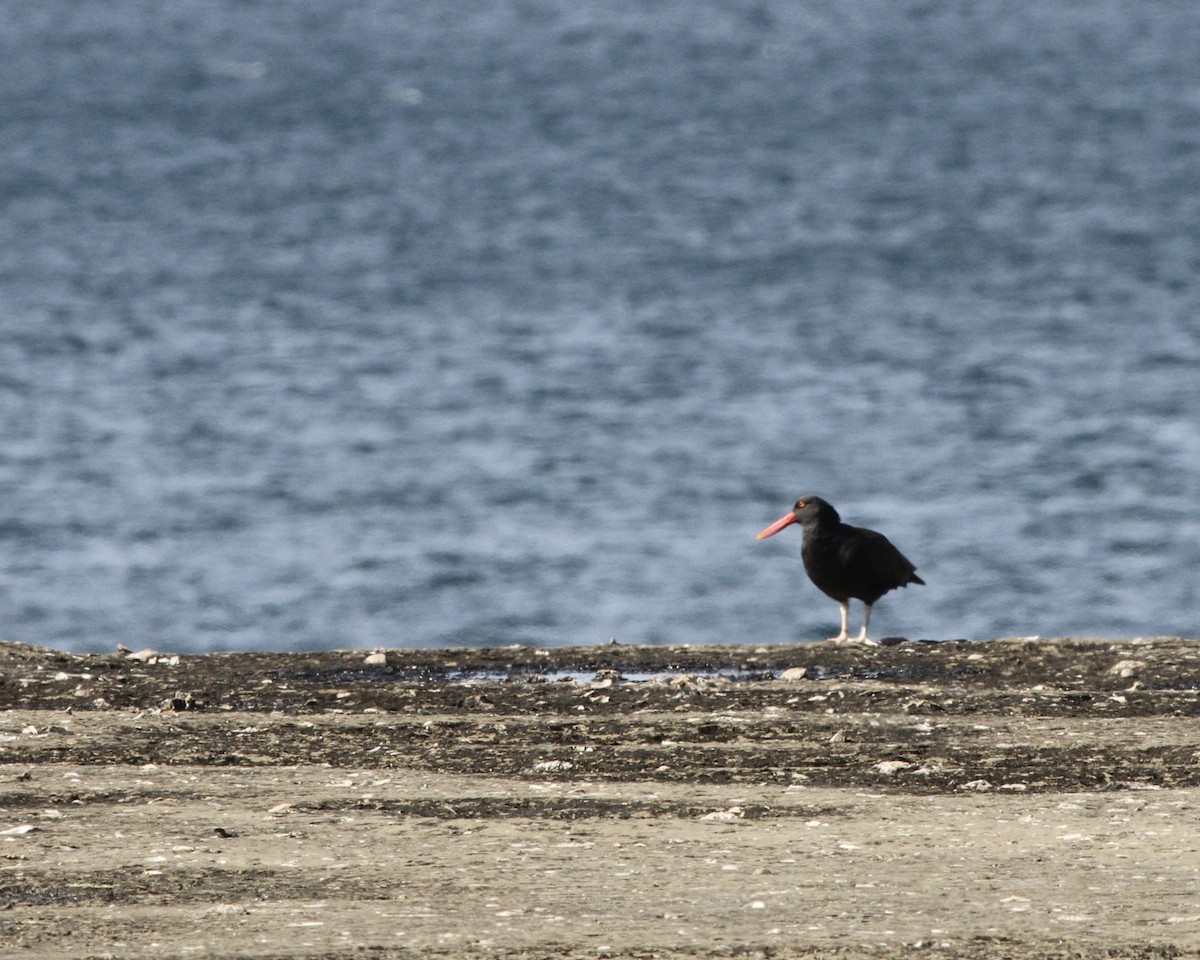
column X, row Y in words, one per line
column 1014, row 797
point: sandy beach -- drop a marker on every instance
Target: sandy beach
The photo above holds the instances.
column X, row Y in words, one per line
column 1007, row 798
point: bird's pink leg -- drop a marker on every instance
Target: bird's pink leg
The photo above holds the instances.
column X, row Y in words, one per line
column 844, row 635
column 862, row 636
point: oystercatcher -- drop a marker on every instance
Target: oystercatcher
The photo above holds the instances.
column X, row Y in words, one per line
column 846, row 562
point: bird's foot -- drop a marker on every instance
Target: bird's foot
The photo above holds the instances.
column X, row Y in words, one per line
column 847, row 641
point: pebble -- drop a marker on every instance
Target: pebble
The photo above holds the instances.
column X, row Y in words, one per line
column 552, row 766
column 725, row 816
column 893, row 766
column 1127, row 669
column 979, row 786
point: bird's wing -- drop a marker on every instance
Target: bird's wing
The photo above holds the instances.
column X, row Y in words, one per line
column 876, row 555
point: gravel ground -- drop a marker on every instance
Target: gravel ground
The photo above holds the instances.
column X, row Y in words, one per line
column 1015, row 797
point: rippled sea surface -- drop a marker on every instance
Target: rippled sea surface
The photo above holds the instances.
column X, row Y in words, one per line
column 500, row 322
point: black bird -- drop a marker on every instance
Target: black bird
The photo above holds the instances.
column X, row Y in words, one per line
column 846, row 562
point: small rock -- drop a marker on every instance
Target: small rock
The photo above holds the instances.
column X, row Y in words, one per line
column 143, row 656
column 979, row 786
column 893, row 766
column 181, row 702
column 794, row 673
column 725, row 816
column 376, row 659
column 552, row 766
column 1126, row 669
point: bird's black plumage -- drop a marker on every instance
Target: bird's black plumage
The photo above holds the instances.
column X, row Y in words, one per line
column 846, row 562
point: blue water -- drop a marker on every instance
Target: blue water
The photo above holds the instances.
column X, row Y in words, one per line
column 328, row 325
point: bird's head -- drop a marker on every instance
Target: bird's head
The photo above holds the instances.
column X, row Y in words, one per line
column 805, row 511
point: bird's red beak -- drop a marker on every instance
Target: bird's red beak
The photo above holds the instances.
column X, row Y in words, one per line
column 777, row 526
